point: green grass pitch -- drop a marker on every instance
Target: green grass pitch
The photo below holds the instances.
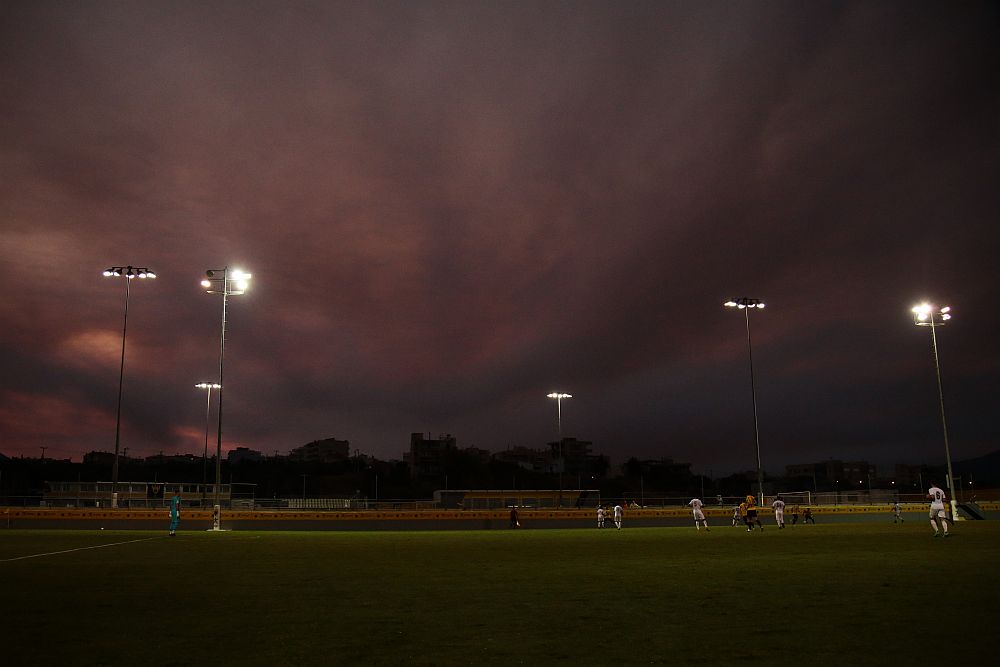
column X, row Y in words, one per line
column 847, row 594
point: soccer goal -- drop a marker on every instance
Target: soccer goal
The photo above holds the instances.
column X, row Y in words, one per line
column 796, row 497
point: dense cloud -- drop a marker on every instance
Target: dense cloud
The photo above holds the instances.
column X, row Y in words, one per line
column 451, row 209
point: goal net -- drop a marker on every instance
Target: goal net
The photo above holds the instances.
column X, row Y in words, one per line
column 795, row 498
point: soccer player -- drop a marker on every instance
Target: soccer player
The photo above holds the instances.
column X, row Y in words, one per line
column 897, row 512
column 937, row 513
column 742, row 509
column 779, row 511
column 807, row 516
column 618, row 516
column 175, row 514
column 699, row 516
column 795, row 514
column 737, row 515
column 752, row 517
column 600, row 516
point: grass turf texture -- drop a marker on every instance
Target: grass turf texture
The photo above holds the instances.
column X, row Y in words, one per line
column 830, row 594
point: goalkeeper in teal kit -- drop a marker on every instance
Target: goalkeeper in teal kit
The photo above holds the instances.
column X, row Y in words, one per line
column 175, row 514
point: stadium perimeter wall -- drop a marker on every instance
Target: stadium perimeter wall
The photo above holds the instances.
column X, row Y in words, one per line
column 191, row 519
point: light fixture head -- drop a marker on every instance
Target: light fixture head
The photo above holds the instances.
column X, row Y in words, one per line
column 206, row 283
column 208, row 385
column 926, row 314
column 744, row 302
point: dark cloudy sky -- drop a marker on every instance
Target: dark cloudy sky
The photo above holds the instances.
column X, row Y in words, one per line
column 452, row 208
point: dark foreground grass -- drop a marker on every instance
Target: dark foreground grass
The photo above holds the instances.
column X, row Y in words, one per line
column 814, row 595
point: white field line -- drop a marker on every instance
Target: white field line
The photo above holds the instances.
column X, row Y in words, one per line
column 66, row 551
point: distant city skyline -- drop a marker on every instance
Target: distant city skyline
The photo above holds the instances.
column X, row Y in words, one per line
column 778, row 469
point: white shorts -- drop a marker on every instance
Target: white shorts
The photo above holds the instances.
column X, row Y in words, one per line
column 779, row 516
column 698, row 515
column 937, row 513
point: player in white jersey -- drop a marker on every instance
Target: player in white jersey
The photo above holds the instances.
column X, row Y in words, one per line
column 737, row 516
column 937, row 513
column 699, row 515
column 779, row 511
column 600, row 516
column 897, row 512
column 618, row 516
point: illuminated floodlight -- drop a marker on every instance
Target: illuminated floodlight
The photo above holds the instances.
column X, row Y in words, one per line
column 928, row 315
column 743, row 303
column 226, row 281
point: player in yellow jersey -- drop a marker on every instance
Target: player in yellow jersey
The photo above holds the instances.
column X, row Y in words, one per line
column 752, row 517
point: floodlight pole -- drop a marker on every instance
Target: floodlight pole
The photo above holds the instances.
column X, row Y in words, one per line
column 118, row 414
column 745, row 304
column 926, row 315
column 128, row 272
column 559, row 396
column 208, row 409
column 227, row 289
column 218, row 442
